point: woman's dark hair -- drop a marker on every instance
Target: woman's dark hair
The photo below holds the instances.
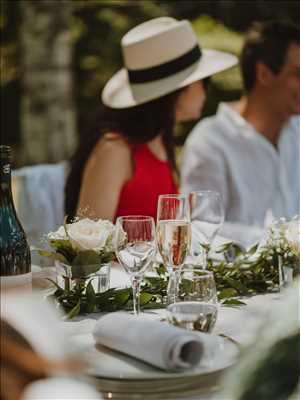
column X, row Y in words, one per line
column 267, row 43
column 138, row 124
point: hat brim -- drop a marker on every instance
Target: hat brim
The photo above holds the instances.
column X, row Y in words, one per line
column 119, row 93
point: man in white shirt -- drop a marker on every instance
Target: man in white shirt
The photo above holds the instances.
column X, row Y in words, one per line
column 250, row 150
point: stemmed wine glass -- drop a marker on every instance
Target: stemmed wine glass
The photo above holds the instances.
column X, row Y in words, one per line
column 173, row 237
column 135, row 247
column 207, row 216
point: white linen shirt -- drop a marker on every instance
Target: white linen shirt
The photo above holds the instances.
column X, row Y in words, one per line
column 225, row 153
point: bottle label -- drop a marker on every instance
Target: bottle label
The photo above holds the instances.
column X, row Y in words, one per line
column 16, row 281
column 6, row 169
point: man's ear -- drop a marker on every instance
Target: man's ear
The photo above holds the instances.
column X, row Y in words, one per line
column 264, row 75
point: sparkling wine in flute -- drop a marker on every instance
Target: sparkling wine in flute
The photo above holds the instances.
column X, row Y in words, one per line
column 173, row 238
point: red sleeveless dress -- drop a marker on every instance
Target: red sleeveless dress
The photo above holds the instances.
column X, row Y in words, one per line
column 151, row 177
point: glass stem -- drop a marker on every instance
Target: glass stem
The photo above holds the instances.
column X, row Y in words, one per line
column 205, row 256
column 173, row 285
column 280, row 272
column 136, row 284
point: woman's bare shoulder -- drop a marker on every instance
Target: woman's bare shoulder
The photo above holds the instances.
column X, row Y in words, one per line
column 112, row 146
column 109, row 166
column 110, row 154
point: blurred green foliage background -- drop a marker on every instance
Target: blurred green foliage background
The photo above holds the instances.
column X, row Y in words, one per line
column 96, row 28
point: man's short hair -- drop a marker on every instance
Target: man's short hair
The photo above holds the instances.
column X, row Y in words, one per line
column 267, row 43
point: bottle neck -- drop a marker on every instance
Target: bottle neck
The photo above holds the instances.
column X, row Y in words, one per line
column 5, row 180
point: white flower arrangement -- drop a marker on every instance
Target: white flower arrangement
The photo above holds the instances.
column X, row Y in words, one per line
column 82, row 242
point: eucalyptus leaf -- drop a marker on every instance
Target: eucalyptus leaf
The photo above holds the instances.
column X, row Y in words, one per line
column 186, row 286
column 122, row 296
column 145, row 298
column 59, row 289
column 200, row 272
column 65, row 226
column 232, row 252
column 152, row 280
column 106, row 257
column 84, row 271
column 75, row 311
column 86, row 257
column 253, row 249
column 224, row 247
column 161, row 270
column 90, row 293
column 233, row 302
column 227, row 293
column 54, row 256
column 242, row 289
column 90, row 307
column 65, row 248
column 106, row 296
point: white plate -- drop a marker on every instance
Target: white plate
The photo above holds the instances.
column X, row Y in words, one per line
column 109, row 364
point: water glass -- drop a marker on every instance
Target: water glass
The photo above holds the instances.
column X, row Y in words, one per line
column 207, row 216
column 70, row 276
column 193, row 315
column 198, row 305
column 197, row 285
column 103, row 278
column 280, row 231
column 135, row 247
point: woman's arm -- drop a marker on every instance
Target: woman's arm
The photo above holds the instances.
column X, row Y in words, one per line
column 105, row 173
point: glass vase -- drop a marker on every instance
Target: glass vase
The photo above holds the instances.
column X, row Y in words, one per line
column 77, row 277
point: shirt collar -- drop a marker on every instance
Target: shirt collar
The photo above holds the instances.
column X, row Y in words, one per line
column 244, row 128
column 229, row 112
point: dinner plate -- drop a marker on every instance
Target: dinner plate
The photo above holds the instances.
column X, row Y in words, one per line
column 109, row 364
column 203, row 388
column 197, row 382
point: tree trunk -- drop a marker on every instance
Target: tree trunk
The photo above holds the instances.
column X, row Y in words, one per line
column 47, row 106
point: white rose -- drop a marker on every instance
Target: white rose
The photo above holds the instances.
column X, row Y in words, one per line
column 87, row 234
column 60, row 234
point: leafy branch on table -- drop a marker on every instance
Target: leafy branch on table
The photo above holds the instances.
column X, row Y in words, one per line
column 252, row 272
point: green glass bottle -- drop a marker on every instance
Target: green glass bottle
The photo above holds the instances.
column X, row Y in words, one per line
column 15, row 262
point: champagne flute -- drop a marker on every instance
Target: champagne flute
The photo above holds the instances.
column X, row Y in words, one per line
column 207, row 216
column 173, row 237
column 135, row 246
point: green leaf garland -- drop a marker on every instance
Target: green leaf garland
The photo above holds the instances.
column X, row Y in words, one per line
column 250, row 273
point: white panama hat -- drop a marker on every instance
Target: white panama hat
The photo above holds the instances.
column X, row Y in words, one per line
column 161, row 56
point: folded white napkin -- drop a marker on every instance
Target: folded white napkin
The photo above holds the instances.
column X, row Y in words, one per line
column 154, row 342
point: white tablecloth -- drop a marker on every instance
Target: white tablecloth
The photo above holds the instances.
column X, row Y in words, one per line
column 238, row 323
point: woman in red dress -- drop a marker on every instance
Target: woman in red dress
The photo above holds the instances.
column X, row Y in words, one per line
column 125, row 164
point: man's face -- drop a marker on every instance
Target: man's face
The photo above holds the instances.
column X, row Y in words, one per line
column 285, row 85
